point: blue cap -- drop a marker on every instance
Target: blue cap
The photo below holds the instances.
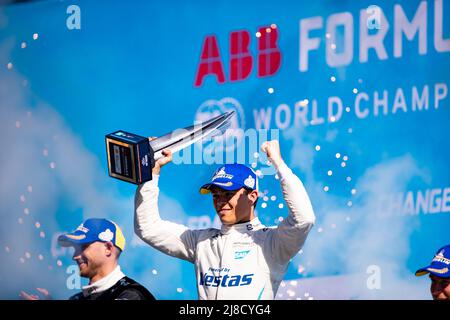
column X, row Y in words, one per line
column 232, row 177
column 440, row 264
column 93, row 230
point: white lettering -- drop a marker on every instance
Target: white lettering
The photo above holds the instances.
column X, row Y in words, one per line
column 440, row 44
column 402, row 25
column 307, row 44
column 440, row 93
column 287, row 116
column 361, row 114
column 335, row 59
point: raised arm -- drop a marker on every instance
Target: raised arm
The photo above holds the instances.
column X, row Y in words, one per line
column 168, row 237
column 290, row 235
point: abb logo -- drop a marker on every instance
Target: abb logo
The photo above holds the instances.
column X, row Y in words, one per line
column 241, row 59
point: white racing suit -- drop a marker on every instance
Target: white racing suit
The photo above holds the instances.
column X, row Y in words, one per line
column 241, row 261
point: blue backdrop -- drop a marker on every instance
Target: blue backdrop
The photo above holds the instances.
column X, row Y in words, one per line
column 358, row 96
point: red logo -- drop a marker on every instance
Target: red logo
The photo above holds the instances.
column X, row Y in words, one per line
column 241, row 59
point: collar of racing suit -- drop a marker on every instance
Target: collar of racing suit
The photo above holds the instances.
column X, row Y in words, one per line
column 241, row 227
column 104, row 283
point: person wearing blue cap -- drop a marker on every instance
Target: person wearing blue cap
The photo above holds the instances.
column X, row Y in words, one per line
column 439, row 272
column 243, row 259
column 97, row 245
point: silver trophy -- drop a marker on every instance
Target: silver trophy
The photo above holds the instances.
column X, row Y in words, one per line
column 131, row 157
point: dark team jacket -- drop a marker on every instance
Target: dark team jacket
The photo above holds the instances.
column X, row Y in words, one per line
column 124, row 289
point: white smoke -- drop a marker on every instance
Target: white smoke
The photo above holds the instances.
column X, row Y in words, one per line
column 50, row 183
column 347, row 243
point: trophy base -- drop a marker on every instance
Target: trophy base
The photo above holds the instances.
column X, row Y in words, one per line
column 130, row 157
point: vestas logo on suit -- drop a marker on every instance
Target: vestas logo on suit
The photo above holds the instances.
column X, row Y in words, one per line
column 226, row 280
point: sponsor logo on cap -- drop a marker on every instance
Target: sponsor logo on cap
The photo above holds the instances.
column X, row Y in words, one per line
column 222, row 174
column 442, row 260
column 82, row 228
column 250, row 182
column 106, row 235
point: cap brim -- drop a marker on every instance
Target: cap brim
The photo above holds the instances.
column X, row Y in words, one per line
column 440, row 271
column 71, row 239
column 228, row 185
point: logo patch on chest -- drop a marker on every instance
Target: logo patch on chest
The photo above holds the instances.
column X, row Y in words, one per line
column 241, row 254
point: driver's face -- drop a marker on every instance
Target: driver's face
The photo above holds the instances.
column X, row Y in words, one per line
column 440, row 287
column 232, row 206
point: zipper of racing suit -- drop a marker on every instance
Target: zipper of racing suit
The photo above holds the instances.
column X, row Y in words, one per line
column 221, row 257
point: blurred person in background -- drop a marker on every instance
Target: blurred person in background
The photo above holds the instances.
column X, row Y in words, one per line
column 98, row 244
column 439, row 273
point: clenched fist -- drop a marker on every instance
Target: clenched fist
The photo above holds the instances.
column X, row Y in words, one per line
column 272, row 150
